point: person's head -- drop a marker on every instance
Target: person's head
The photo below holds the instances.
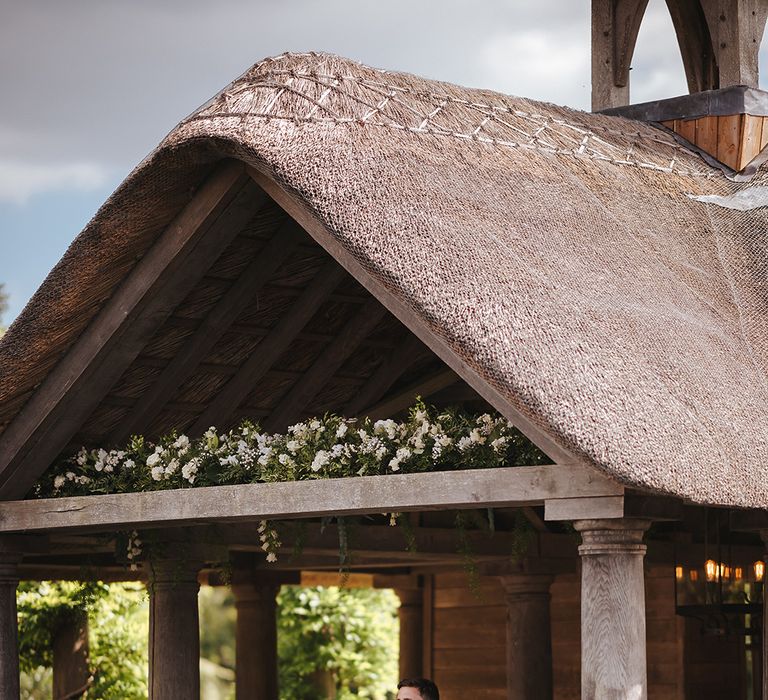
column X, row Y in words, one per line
column 417, row 689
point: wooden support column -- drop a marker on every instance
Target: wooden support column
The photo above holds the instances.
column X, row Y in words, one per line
column 411, row 614
column 764, row 640
column 529, row 636
column 71, row 672
column 613, row 659
column 9, row 634
column 174, row 634
column 256, row 641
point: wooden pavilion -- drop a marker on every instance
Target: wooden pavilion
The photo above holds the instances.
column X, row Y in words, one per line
column 323, row 236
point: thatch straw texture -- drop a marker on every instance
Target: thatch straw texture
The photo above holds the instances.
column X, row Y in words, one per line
column 557, row 253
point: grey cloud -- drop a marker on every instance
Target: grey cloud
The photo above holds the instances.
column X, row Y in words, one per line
column 101, row 81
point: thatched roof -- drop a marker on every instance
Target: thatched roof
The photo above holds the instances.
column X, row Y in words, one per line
column 552, row 257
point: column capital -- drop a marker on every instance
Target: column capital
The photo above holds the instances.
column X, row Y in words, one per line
column 612, row 536
column 519, row 586
column 173, row 574
column 410, row 596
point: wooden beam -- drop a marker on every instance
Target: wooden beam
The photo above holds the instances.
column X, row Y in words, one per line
column 479, row 488
column 404, row 356
column 269, row 350
column 600, row 507
column 325, row 366
column 227, row 309
column 414, row 321
column 125, row 323
column 695, row 44
column 404, row 399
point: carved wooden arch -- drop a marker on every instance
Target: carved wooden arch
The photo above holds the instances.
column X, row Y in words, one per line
column 719, row 43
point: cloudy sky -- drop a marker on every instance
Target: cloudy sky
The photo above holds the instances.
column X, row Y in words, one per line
column 90, row 86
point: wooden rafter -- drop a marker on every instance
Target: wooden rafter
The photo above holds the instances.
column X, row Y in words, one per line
column 404, row 399
column 407, row 353
column 326, row 365
column 226, row 310
column 409, row 318
column 150, row 292
column 269, row 350
column 479, row 488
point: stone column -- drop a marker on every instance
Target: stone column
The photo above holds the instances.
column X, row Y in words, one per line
column 71, row 672
column 256, row 641
column 9, row 634
column 411, row 632
column 174, row 634
column 529, row 636
column 613, row 665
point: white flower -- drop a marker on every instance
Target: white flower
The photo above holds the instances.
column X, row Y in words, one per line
column 98, row 466
column 314, row 424
column 337, row 450
column 475, row 436
column 499, row 444
column 265, row 545
column 321, row 459
column 129, row 464
column 109, row 468
column 262, row 526
column 153, row 460
column 341, row 431
column 464, row 444
column 388, row 427
column 420, row 416
column 173, row 465
column 58, row 482
column 157, row 473
column 70, row 476
column 189, row 471
column 82, row 456
column 293, row 446
column 181, row 442
column 285, row 460
column 271, row 557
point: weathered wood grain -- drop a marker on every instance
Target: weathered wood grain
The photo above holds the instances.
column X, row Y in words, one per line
column 223, row 314
column 613, row 640
column 256, row 641
column 9, row 635
column 269, row 350
column 481, row 488
column 582, row 508
column 404, row 399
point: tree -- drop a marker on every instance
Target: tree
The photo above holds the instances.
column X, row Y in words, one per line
column 118, row 641
column 337, row 643
column 3, row 307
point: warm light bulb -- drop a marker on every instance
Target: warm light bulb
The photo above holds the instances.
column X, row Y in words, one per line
column 710, row 569
column 738, row 573
column 759, row 567
column 694, row 575
column 679, row 573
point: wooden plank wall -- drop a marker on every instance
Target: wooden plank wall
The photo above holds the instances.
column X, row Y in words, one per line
column 469, row 633
column 469, row 638
column 735, row 140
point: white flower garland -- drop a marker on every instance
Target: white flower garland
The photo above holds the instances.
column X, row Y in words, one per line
column 326, row 447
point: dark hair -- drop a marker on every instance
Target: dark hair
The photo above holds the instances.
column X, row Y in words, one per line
column 425, row 686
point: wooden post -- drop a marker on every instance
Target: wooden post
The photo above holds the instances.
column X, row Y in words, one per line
column 764, row 640
column 613, row 661
column 174, row 635
column 411, row 632
column 9, row 634
column 529, row 636
column 256, row 641
column 71, row 672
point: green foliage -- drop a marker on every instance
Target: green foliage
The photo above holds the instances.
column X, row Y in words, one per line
column 3, row 307
column 337, row 642
column 117, row 633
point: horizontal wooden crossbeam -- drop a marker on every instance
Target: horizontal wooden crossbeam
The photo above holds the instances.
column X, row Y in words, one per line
column 480, row 488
